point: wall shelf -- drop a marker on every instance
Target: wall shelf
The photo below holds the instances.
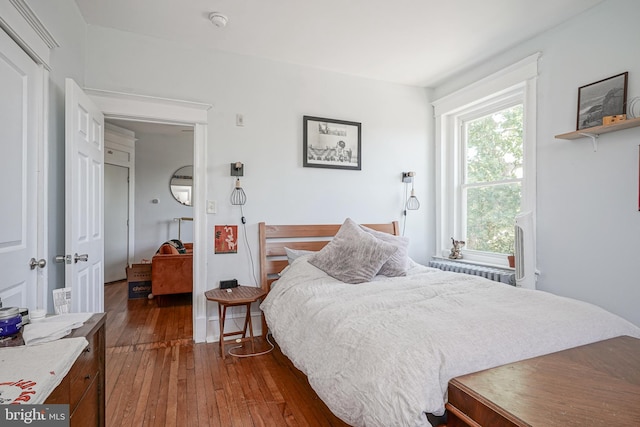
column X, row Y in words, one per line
column 596, row 131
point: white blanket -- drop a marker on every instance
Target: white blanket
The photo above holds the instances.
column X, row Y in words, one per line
column 28, row 374
column 381, row 353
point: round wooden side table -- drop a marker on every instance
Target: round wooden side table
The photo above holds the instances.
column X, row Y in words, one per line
column 240, row 295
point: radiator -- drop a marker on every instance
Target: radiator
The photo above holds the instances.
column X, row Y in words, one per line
column 491, row 273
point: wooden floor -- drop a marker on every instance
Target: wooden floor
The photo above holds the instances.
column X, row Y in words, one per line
column 157, row 376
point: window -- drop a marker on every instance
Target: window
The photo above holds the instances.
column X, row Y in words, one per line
column 486, row 163
column 491, row 184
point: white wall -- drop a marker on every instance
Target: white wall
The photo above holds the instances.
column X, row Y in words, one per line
column 396, row 137
column 588, row 221
column 157, row 158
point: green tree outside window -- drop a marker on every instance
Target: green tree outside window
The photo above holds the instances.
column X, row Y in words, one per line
column 492, row 186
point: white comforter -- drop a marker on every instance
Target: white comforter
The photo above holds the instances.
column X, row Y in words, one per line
column 382, row 353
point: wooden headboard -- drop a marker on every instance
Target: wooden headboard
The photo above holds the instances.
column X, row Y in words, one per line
column 313, row 237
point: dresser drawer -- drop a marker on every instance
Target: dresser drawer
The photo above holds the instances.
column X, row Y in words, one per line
column 466, row 409
column 87, row 412
column 83, row 386
column 83, row 372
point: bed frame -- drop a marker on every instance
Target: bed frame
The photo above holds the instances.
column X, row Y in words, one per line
column 312, row 237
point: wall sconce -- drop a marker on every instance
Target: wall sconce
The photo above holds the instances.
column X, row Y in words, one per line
column 412, row 203
column 238, row 197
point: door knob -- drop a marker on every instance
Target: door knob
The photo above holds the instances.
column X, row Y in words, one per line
column 33, row 263
column 83, row 257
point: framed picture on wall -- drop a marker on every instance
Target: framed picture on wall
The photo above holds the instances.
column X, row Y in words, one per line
column 330, row 143
column 225, row 239
column 606, row 97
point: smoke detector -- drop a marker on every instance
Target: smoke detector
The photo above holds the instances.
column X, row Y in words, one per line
column 218, row 19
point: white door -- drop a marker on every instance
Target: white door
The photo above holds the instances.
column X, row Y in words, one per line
column 84, row 200
column 116, row 229
column 18, row 173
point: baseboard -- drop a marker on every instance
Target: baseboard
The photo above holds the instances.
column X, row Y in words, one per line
column 200, row 329
column 233, row 322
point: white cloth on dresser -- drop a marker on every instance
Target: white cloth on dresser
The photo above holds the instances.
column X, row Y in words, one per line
column 53, row 328
column 28, row 374
column 381, row 353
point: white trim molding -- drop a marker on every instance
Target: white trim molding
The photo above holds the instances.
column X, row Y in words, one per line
column 35, row 22
column 26, row 29
column 512, row 75
column 116, row 105
column 519, row 81
column 43, row 185
column 232, row 324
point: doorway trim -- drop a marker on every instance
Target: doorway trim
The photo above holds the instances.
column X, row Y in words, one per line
column 117, row 105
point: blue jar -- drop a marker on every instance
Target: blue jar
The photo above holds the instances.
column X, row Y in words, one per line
column 10, row 321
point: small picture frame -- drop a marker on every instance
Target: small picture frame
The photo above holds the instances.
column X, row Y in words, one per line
column 606, row 97
column 330, row 143
column 225, row 239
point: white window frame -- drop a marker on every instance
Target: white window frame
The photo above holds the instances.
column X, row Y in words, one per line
column 512, row 85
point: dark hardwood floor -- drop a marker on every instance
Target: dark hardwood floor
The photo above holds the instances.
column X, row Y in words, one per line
column 157, row 376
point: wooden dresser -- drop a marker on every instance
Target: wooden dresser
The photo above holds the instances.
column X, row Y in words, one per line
column 83, row 388
column 592, row 385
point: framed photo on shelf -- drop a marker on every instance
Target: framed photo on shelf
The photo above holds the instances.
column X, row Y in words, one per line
column 606, row 97
column 330, row 143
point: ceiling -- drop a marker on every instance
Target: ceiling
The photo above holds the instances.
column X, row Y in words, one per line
column 413, row 42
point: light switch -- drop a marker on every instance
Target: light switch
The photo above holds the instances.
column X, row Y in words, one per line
column 212, row 207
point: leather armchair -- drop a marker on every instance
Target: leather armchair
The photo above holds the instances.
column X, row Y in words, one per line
column 172, row 272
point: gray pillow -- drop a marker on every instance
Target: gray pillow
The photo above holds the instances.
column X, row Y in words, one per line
column 398, row 264
column 353, row 255
column 293, row 254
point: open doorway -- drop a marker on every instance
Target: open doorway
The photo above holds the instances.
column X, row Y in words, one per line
column 156, row 211
column 142, row 108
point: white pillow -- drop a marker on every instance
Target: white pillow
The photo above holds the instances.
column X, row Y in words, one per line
column 293, row 254
column 353, row 255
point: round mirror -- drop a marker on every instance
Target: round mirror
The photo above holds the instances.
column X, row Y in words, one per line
column 181, row 185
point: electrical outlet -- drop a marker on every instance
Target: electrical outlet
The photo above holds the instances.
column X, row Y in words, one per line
column 212, row 207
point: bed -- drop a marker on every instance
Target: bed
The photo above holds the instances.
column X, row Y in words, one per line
column 380, row 352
